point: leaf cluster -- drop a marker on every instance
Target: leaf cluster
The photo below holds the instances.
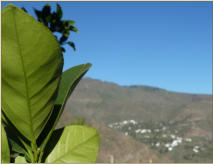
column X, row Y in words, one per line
column 53, row 20
column 34, row 94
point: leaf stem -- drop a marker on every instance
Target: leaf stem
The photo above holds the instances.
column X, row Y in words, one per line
column 34, row 148
column 40, row 156
column 29, row 150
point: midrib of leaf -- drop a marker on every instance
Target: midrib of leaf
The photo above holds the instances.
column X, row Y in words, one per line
column 25, row 79
column 75, row 148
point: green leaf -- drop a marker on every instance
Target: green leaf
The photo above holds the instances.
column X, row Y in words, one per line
column 62, row 49
column 74, row 29
column 68, row 23
column 72, row 45
column 46, row 15
column 5, row 151
column 59, row 11
column 70, row 79
column 24, row 9
column 20, row 159
column 77, row 144
column 46, row 10
column 16, row 145
column 31, row 70
column 63, row 38
column 38, row 14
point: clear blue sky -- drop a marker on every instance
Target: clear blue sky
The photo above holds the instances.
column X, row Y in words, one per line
column 162, row 44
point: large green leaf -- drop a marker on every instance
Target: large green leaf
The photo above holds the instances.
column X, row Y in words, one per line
column 5, row 151
column 77, row 144
column 31, row 68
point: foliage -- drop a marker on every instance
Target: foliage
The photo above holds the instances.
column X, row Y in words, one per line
column 5, row 147
column 53, row 20
column 34, row 96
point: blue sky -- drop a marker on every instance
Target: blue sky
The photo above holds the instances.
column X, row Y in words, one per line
column 161, row 44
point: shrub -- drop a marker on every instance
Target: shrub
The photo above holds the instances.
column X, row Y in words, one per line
column 34, row 95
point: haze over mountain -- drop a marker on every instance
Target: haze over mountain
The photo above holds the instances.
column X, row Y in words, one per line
column 104, row 103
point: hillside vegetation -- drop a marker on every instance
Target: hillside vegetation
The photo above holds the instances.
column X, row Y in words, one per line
column 183, row 115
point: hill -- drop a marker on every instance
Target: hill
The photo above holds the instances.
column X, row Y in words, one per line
column 108, row 103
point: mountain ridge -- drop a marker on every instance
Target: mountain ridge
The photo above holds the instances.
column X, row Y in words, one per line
column 106, row 103
column 144, row 86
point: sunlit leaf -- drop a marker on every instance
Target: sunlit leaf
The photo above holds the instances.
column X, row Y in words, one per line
column 77, row 144
column 20, row 159
column 31, row 69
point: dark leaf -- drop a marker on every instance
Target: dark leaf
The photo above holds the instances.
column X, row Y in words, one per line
column 39, row 15
column 52, row 27
column 59, row 11
column 52, row 142
column 63, row 39
column 72, row 45
column 16, row 145
column 49, row 124
column 73, row 29
column 48, row 18
column 24, row 9
column 14, row 136
column 53, row 21
column 59, row 26
column 68, row 22
column 46, row 10
column 62, row 49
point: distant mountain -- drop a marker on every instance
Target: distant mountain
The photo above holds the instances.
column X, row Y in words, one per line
column 106, row 103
